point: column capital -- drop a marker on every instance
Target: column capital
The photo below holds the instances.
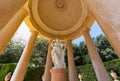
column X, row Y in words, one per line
column 50, row 40
column 86, row 30
column 69, row 40
column 33, row 31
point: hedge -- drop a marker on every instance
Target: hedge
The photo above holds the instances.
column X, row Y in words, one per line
column 35, row 73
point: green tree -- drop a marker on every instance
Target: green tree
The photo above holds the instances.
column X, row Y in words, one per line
column 80, row 52
column 77, row 57
column 12, row 52
column 40, row 52
column 104, row 48
column 84, row 53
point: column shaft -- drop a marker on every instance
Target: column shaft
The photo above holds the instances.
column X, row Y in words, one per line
column 71, row 63
column 99, row 68
column 107, row 14
column 22, row 65
column 48, row 66
column 8, row 31
column 8, row 8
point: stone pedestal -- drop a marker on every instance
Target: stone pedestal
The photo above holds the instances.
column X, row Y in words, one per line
column 58, row 74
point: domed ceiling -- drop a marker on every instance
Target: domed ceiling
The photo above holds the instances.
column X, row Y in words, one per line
column 61, row 19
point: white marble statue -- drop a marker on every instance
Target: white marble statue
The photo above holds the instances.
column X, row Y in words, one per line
column 58, row 53
column 8, row 76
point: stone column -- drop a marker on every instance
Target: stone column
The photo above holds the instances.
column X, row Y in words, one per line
column 107, row 14
column 99, row 68
column 8, row 8
column 47, row 75
column 22, row 65
column 8, row 31
column 71, row 62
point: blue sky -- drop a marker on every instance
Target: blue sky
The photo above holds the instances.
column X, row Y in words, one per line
column 95, row 31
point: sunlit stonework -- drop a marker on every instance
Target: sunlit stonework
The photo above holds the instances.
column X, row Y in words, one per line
column 65, row 20
column 60, row 3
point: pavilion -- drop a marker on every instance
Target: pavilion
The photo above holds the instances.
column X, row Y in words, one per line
column 63, row 19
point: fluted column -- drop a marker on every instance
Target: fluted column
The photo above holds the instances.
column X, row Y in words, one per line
column 48, row 66
column 99, row 68
column 71, row 62
column 22, row 65
column 107, row 14
column 8, row 8
column 8, row 31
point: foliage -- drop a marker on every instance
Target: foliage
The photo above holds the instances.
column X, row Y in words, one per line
column 88, row 74
column 35, row 73
column 39, row 54
column 76, row 52
column 12, row 52
column 5, row 68
column 104, row 48
column 84, row 52
column 81, row 55
column 15, row 48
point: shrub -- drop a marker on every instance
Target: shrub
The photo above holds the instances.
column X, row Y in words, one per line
column 87, row 71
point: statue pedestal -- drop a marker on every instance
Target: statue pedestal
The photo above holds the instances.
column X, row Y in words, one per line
column 58, row 74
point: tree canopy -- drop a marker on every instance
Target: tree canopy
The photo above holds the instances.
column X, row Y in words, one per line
column 12, row 52
column 103, row 47
column 15, row 48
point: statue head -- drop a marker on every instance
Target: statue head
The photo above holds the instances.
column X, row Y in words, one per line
column 54, row 42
